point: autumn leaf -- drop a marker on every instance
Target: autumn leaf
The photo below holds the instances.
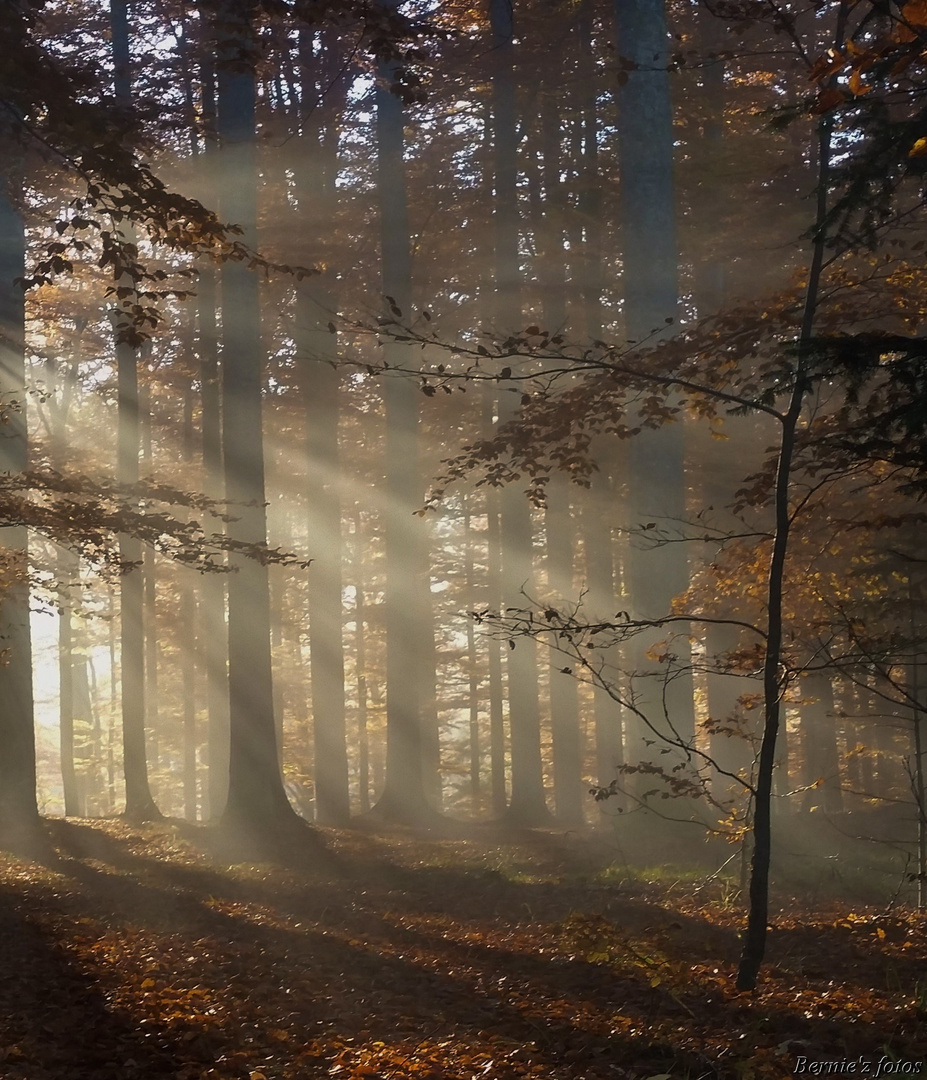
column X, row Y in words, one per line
column 857, row 86
column 915, row 12
column 829, row 99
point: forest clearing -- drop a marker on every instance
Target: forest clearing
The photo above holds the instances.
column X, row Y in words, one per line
column 132, row 952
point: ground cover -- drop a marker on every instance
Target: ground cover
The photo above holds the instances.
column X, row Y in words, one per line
column 144, row 952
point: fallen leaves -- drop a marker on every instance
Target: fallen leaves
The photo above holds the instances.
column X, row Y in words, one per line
column 134, row 955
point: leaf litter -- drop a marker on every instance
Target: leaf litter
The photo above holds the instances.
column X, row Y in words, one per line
column 136, row 951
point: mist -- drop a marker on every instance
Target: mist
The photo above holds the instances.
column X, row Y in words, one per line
column 493, row 429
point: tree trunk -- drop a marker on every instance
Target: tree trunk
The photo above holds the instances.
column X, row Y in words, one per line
column 527, row 804
column 188, row 622
column 213, row 630
column 67, row 567
column 85, row 709
column 819, row 745
column 18, row 806
column 732, row 729
column 493, row 601
column 473, row 680
column 602, row 603
column 67, row 572
column 149, row 573
column 754, row 941
column 564, row 701
column 257, row 804
column 140, row 805
column 588, row 268
column 360, row 665
column 320, row 381
column 549, row 224
column 407, row 601
column 657, row 474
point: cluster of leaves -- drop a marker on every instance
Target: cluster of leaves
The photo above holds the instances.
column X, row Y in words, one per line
column 88, row 515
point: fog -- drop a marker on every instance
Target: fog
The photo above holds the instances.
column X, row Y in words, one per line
column 485, row 421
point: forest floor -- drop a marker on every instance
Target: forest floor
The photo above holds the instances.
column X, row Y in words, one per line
column 136, row 952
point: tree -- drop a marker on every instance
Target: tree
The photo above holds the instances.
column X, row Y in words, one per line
column 320, row 384
column 657, row 485
column 18, row 807
column 140, row 806
column 404, row 797
column 527, row 804
column 257, row 802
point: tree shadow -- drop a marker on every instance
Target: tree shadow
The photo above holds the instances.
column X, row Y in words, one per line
column 407, row 955
column 57, row 1022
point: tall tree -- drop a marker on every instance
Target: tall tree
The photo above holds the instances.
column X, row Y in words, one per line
column 149, row 570
column 407, row 600
column 140, row 806
column 360, row 662
column 188, row 621
column 603, row 583
column 18, row 807
column 214, row 629
column 257, row 801
column 319, row 379
column 527, row 804
column 649, row 279
column 61, row 384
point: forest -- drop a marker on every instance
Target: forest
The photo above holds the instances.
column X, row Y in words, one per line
column 461, row 468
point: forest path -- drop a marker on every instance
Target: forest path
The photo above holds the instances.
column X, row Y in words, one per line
column 133, row 952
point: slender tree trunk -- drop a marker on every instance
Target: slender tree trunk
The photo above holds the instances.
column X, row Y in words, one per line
column 214, row 628
column 603, row 602
column 819, row 744
column 85, row 709
column 549, row 225
column 320, row 380
column 67, row 573
column 657, row 473
column 527, row 805
column 321, row 389
column 564, row 700
column 473, row 680
column 588, row 268
column 140, row 805
column 68, row 569
column 188, row 621
column 150, row 574
column 277, row 584
column 113, row 703
column 754, row 941
column 428, row 668
column 493, row 602
column 360, row 664
column 408, row 602
column 18, row 806
column 732, row 728
column 257, row 802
